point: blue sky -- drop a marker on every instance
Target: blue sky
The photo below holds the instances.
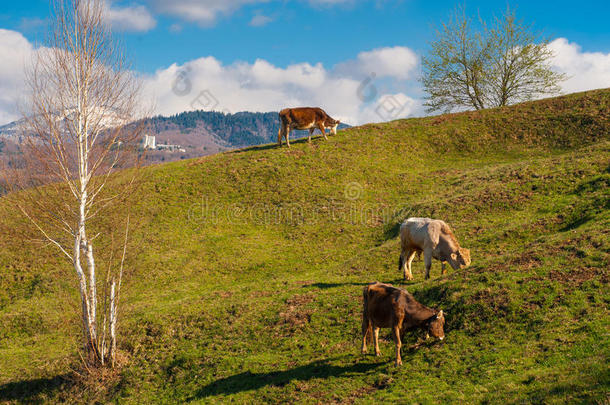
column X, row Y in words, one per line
column 320, row 37
column 302, row 32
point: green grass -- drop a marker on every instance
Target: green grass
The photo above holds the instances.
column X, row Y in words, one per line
column 246, row 282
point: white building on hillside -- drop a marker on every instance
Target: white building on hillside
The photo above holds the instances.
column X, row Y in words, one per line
column 150, row 142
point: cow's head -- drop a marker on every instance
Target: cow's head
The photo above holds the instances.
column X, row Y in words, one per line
column 460, row 259
column 436, row 325
column 333, row 128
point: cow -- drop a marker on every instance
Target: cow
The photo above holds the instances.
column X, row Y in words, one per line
column 386, row 306
column 433, row 237
column 305, row 118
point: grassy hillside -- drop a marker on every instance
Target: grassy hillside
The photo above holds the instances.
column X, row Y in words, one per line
column 247, row 283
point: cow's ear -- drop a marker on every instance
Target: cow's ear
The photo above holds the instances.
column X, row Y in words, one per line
column 453, row 256
column 440, row 314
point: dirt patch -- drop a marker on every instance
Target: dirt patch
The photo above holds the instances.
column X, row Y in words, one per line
column 491, row 304
column 294, row 152
column 549, row 223
column 497, row 299
column 499, row 197
column 356, row 395
column 305, row 282
column 526, row 261
column 258, row 294
column 442, row 119
column 295, row 314
column 578, row 275
column 223, row 294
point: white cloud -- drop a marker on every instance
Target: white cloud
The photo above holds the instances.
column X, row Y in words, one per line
column 202, row 12
column 342, row 90
column 260, row 20
column 586, row 70
column 15, row 52
column 133, row 18
column 329, row 2
column 207, row 84
column 175, row 28
column 30, row 24
column 205, row 13
column 396, row 62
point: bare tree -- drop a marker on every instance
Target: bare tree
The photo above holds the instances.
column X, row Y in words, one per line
column 518, row 65
column 485, row 66
column 78, row 132
column 453, row 72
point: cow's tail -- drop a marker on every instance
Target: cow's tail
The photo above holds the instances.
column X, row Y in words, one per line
column 401, row 261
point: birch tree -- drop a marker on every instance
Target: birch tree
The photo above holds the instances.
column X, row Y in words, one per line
column 482, row 65
column 78, row 132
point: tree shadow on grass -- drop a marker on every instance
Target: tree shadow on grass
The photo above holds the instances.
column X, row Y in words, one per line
column 29, row 390
column 590, row 393
column 325, row 286
column 399, row 282
column 253, row 148
column 391, row 230
column 298, row 139
column 432, row 295
column 247, row 381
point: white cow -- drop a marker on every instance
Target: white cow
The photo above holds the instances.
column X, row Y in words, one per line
column 433, row 237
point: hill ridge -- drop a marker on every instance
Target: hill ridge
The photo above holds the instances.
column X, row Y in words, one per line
column 230, row 299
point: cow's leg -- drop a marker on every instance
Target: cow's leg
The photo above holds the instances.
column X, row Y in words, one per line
column 376, row 338
column 443, row 268
column 428, row 261
column 407, row 275
column 398, row 344
column 311, row 133
column 280, row 134
column 288, row 136
column 322, row 129
column 366, row 332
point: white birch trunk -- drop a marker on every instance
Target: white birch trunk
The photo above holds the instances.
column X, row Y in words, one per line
column 82, row 284
column 82, row 77
column 113, row 319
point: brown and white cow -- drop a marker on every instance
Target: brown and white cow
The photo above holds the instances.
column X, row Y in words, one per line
column 386, row 306
column 433, row 237
column 305, row 118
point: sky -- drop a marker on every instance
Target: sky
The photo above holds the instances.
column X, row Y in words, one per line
column 357, row 59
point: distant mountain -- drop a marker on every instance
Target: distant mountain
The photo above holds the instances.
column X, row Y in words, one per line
column 9, row 139
column 195, row 133
column 9, row 131
column 201, row 133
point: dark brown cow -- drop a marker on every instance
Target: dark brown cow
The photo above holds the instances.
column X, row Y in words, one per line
column 305, row 118
column 386, row 306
